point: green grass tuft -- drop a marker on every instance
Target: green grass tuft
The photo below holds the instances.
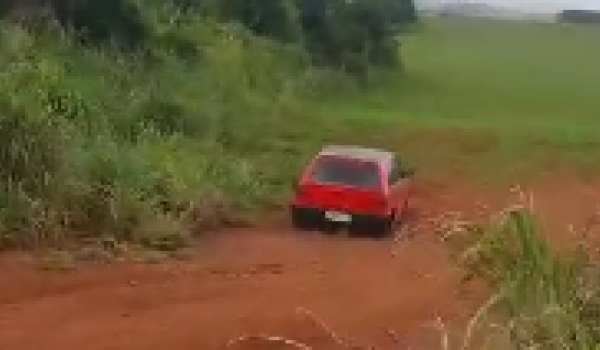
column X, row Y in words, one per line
column 544, row 299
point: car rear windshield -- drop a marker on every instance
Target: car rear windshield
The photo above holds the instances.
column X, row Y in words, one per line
column 348, row 173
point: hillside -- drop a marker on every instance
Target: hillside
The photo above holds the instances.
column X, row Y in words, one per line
column 121, row 116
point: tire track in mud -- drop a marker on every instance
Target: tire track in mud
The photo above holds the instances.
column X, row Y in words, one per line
column 251, row 281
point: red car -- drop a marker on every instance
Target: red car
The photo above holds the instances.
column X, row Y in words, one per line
column 359, row 187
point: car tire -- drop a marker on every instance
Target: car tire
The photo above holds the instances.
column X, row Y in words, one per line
column 301, row 220
column 397, row 221
column 373, row 228
column 384, row 228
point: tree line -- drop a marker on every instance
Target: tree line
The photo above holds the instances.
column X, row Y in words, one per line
column 580, row 16
column 348, row 34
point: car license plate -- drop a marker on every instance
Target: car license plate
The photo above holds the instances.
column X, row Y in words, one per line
column 337, row 216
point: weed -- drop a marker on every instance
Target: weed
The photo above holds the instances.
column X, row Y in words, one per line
column 548, row 300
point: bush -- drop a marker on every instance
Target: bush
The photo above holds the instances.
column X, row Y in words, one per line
column 94, row 22
column 30, row 152
column 274, row 19
column 162, row 233
column 31, row 160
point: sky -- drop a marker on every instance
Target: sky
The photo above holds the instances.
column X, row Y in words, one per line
column 532, row 5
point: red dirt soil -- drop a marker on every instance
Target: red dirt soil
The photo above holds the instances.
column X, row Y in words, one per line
column 253, row 280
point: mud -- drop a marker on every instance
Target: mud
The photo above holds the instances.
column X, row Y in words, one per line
column 257, row 281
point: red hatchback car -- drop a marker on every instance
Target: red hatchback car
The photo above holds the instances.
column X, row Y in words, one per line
column 359, row 187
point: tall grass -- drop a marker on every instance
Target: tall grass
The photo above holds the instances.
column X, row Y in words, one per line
column 95, row 143
column 201, row 122
column 542, row 299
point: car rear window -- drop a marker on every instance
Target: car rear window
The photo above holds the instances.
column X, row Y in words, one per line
column 349, row 173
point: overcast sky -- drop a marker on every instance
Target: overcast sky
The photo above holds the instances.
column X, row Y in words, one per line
column 532, row 5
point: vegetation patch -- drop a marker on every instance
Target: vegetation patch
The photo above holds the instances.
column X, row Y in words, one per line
column 541, row 298
column 151, row 122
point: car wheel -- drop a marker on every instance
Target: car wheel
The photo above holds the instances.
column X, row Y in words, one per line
column 300, row 220
column 373, row 228
column 384, row 228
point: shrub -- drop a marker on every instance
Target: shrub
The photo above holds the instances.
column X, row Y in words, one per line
column 30, row 152
column 274, row 19
column 163, row 233
column 95, row 22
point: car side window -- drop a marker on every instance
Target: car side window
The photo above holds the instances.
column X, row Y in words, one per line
column 395, row 173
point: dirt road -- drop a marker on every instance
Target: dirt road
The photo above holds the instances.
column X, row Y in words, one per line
column 240, row 282
column 250, row 282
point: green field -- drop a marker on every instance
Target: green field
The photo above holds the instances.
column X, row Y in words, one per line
column 515, row 96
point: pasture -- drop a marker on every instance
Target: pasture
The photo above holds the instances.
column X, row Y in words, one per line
column 491, row 98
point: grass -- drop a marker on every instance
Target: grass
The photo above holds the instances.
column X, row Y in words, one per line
column 543, row 299
column 519, row 95
column 107, row 141
column 97, row 142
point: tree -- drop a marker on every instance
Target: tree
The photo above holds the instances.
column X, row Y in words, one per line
column 580, row 16
column 354, row 34
column 403, row 12
column 348, row 34
column 92, row 20
column 276, row 19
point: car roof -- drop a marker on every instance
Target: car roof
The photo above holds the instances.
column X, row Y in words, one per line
column 361, row 153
